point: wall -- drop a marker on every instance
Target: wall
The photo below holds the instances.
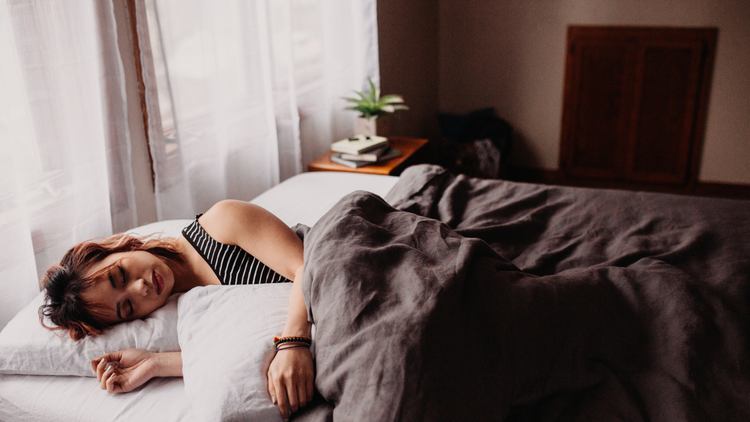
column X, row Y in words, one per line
column 408, row 47
column 510, row 54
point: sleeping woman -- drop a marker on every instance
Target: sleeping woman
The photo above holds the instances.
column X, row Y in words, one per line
column 122, row 278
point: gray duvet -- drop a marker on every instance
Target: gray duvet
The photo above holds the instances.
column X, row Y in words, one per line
column 482, row 300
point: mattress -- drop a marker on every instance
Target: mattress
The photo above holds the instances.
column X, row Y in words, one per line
column 304, row 198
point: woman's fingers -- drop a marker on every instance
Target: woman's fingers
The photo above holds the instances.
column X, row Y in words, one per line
column 291, row 392
column 95, row 365
column 271, row 388
column 103, row 380
column 107, row 371
column 110, row 383
column 99, row 369
column 281, row 398
column 302, row 394
column 98, row 365
column 309, row 387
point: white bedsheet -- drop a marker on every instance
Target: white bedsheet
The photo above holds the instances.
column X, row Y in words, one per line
column 306, row 197
column 27, row 398
column 301, row 199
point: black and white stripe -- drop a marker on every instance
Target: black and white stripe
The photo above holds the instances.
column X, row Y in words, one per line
column 232, row 264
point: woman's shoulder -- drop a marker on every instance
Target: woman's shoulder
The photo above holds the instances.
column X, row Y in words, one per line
column 224, row 208
column 226, row 219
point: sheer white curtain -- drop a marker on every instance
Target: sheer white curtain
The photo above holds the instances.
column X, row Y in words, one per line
column 244, row 93
column 64, row 146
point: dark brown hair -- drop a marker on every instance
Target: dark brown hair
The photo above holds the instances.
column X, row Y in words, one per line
column 65, row 282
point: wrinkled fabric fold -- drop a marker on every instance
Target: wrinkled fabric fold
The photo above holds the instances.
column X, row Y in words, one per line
column 494, row 300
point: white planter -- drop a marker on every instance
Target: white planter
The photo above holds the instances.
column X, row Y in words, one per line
column 365, row 126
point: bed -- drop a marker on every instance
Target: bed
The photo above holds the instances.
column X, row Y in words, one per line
column 300, row 199
column 442, row 297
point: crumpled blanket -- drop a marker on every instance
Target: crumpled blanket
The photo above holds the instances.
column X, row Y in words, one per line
column 492, row 300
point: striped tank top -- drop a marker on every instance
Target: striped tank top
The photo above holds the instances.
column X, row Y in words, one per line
column 231, row 264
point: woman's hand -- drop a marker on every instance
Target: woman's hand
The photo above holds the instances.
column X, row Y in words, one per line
column 134, row 367
column 291, row 374
column 290, row 379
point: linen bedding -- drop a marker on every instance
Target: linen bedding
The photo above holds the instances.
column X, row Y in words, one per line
column 492, row 300
column 465, row 299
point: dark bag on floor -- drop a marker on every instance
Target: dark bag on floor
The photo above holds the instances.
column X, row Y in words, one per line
column 477, row 144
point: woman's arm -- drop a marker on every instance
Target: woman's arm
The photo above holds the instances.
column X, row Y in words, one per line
column 134, row 367
column 291, row 375
column 263, row 235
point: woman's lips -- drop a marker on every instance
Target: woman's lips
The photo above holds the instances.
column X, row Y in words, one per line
column 158, row 283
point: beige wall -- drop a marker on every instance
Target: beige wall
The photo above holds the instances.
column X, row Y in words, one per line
column 510, row 54
column 408, row 46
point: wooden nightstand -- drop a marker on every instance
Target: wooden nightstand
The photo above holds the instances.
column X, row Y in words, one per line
column 413, row 151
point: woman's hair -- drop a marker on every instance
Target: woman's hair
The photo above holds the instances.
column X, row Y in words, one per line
column 65, row 282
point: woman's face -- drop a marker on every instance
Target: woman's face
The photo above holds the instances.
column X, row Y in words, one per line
column 134, row 285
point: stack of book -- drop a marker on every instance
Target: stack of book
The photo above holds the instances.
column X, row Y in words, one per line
column 359, row 151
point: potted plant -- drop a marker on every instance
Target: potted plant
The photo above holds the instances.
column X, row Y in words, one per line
column 371, row 106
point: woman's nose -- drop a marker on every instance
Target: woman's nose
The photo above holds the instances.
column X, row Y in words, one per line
column 140, row 287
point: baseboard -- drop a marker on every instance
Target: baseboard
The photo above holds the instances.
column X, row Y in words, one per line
column 555, row 177
column 724, row 190
column 531, row 175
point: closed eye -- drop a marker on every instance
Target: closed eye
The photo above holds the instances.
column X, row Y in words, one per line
column 112, row 280
column 114, row 287
column 128, row 305
column 118, row 307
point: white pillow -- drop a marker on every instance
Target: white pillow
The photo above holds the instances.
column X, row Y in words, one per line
column 28, row 348
column 226, row 335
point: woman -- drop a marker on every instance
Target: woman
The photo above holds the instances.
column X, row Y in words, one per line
column 99, row 284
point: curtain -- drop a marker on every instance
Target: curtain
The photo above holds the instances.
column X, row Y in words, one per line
column 242, row 94
column 64, row 146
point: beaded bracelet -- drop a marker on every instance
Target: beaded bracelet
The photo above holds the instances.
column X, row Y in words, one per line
column 292, row 339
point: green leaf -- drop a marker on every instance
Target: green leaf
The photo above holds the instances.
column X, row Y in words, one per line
column 372, row 105
column 362, row 103
column 374, row 92
column 390, row 99
column 362, row 96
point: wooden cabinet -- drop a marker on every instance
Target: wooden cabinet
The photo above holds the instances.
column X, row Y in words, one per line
column 634, row 105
